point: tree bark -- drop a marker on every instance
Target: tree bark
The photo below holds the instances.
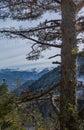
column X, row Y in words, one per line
column 68, row 101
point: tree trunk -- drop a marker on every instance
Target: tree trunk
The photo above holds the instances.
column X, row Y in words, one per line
column 68, row 103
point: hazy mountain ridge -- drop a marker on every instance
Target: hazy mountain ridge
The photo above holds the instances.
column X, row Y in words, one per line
column 50, row 78
column 13, row 76
column 46, row 81
column 36, row 79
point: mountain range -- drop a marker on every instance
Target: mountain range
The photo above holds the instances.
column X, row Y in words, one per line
column 14, row 78
column 43, row 83
column 19, row 81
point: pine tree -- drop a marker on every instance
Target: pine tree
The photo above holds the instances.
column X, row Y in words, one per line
column 47, row 34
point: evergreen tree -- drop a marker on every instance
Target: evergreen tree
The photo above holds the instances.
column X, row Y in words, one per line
column 9, row 116
column 47, row 34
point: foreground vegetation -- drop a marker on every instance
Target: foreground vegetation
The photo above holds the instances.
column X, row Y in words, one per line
column 37, row 115
column 15, row 116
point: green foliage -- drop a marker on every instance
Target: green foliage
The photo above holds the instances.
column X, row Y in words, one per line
column 72, row 108
column 74, row 50
column 9, row 117
column 33, row 116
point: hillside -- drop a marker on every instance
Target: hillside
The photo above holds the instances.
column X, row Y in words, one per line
column 46, row 80
column 52, row 77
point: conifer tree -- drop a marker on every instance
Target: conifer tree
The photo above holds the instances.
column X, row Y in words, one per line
column 47, row 34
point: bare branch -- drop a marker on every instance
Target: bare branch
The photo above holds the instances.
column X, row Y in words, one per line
column 56, row 21
column 80, row 25
column 35, row 97
column 54, row 56
column 55, row 106
column 79, row 6
column 38, row 42
column 30, row 30
column 56, row 62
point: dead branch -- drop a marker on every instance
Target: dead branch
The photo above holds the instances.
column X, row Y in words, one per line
column 38, row 42
column 35, row 97
column 54, row 101
column 54, row 56
column 79, row 6
column 56, row 62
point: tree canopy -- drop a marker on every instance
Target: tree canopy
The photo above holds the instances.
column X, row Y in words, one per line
column 45, row 35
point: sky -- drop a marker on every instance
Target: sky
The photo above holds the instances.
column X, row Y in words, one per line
column 13, row 51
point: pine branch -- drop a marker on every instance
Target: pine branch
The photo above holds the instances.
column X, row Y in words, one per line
column 30, row 30
column 22, row 34
column 14, row 4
